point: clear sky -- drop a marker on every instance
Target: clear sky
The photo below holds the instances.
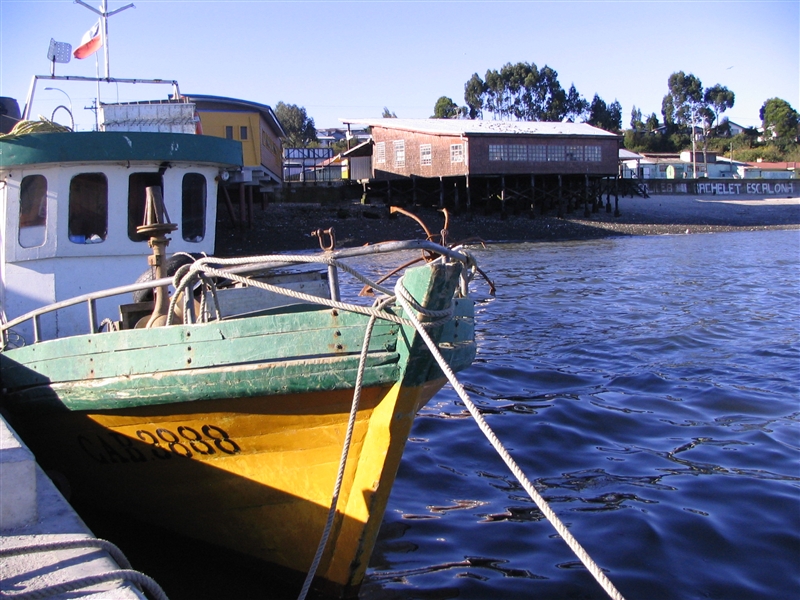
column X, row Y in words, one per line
column 350, row 59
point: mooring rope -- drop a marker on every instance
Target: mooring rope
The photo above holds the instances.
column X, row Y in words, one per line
column 345, row 452
column 126, row 573
column 135, row 577
column 98, row 543
column 559, row 526
column 185, row 275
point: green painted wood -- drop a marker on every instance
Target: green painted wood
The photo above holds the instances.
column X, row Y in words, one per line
column 431, row 286
column 179, row 334
column 311, row 350
column 193, row 354
column 462, row 326
column 208, row 384
column 458, row 356
column 100, row 146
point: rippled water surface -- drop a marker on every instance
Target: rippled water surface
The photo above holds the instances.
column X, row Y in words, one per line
column 648, row 386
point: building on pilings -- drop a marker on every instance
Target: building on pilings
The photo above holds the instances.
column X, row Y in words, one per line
column 515, row 165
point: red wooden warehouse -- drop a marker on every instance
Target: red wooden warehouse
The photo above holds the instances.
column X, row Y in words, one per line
column 525, row 159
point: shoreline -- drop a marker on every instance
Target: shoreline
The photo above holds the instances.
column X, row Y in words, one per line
column 288, row 227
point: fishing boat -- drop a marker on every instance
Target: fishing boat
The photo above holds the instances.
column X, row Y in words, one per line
column 259, row 404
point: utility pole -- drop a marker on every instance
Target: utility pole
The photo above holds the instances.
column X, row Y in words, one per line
column 694, row 148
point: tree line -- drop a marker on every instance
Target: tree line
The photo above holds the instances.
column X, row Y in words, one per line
column 525, row 92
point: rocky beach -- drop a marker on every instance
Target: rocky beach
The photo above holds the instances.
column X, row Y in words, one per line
column 288, row 227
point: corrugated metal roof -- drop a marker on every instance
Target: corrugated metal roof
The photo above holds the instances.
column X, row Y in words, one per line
column 483, row 127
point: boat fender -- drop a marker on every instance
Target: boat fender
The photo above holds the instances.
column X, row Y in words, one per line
column 174, row 262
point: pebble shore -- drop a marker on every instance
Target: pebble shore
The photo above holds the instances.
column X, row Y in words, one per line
column 288, row 227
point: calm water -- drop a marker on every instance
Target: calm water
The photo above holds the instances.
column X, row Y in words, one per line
column 649, row 387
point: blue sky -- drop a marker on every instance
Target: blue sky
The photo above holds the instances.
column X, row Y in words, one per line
column 350, row 59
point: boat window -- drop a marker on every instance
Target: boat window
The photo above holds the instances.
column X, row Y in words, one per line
column 193, row 217
column 228, row 132
column 88, row 208
column 32, row 211
column 243, row 133
column 137, row 190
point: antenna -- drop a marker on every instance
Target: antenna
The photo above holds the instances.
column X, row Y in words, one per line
column 104, row 14
column 59, row 52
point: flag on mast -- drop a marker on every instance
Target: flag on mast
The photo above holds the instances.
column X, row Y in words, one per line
column 90, row 43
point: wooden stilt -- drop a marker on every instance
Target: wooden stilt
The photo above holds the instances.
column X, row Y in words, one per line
column 503, row 196
column 560, row 198
column 242, row 207
column 229, row 205
column 250, row 206
column 586, row 212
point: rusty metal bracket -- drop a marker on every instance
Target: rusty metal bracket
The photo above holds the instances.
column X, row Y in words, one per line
column 326, row 245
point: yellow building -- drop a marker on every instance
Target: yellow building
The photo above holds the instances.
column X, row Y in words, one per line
column 255, row 126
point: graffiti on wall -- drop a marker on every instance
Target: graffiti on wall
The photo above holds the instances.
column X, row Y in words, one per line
column 713, row 188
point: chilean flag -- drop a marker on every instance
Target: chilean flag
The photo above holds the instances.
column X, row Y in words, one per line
column 90, row 43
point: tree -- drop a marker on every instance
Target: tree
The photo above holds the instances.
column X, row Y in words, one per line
column 387, row 114
column 474, row 91
column 720, row 99
column 576, row 105
column 520, row 91
column 299, row 127
column 636, row 119
column 780, row 121
column 682, row 101
column 608, row 117
column 445, row 108
column 652, row 123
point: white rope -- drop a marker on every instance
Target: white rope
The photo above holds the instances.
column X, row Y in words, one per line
column 123, row 574
column 101, row 544
column 559, row 526
column 135, row 577
column 345, row 451
column 185, row 275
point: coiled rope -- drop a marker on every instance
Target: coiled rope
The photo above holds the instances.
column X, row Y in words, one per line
column 559, row 526
column 124, row 574
column 43, row 125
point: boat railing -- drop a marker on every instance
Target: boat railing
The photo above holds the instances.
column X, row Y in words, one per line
column 91, row 298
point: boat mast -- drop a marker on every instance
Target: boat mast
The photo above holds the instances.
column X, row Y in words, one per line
column 104, row 14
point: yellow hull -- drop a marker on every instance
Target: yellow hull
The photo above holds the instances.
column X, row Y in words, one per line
column 254, row 475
